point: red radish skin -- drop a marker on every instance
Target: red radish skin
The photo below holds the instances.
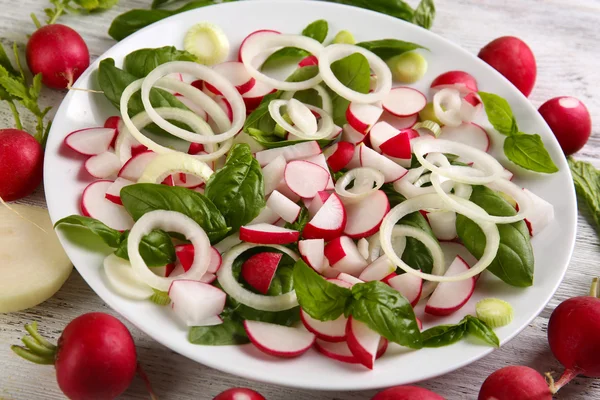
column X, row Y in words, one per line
column 570, row 122
column 514, row 59
column 308, row 61
column 239, row 394
column 260, row 31
column 21, row 164
column 407, row 393
column 279, row 340
column 339, row 155
column 459, row 80
column 268, row 234
column 59, row 54
column 113, row 123
column 258, row 271
column 515, row 383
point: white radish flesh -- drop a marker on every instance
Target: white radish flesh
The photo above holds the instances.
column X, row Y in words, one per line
column 443, row 224
column 279, row 340
column 91, row 141
column 338, row 351
column 321, row 161
column 351, row 135
column 266, row 216
column 399, row 122
column 469, row 133
column 377, row 270
column 343, row 255
column 449, row 297
column 268, row 234
column 294, row 152
column 390, row 170
column 329, row 222
column 351, row 280
column 409, row 286
column 364, row 217
column 317, row 202
column 363, row 116
column 134, row 168
column 541, row 215
column 284, row 207
column 195, row 302
column 113, row 193
column 123, row 280
column 236, row 73
column 273, row 173
column 104, row 165
column 94, row 204
column 313, row 253
column 363, row 248
column 381, row 133
column 362, row 341
column 306, row 179
column 330, row 331
column 404, row 102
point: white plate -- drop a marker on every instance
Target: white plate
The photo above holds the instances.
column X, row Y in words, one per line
column 553, row 247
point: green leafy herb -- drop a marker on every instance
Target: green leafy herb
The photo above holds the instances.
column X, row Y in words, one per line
column 160, row 298
column 353, row 72
column 238, row 189
column 230, row 332
column 528, row 151
column 75, row 7
column 587, row 183
column 514, row 261
column 111, row 237
column 387, row 312
column 480, row 330
column 388, row 48
column 499, row 113
column 424, row 14
column 156, row 248
column 141, row 62
column 395, row 8
column 443, row 335
column 141, row 198
column 301, row 221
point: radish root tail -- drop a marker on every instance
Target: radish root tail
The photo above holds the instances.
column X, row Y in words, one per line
column 594, row 288
column 5, row 204
column 69, row 77
column 565, row 378
column 144, row 378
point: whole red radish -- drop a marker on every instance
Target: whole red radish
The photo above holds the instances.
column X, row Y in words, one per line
column 515, row 383
column 407, row 393
column 21, row 164
column 570, row 122
column 239, row 394
column 512, row 58
column 573, row 335
column 59, row 54
column 95, row 357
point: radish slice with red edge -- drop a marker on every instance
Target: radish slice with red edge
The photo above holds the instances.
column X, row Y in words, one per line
column 365, row 217
column 339, row 155
column 296, row 174
column 287, row 209
column 381, row 133
column 459, row 80
column 351, row 280
column 404, row 102
column 399, row 122
column 266, row 216
column 260, row 32
column 279, row 340
column 317, row 202
column 254, row 96
column 308, row 61
column 541, row 215
column 289, row 153
column 258, row 271
column 470, row 134
column 320, row 160
column 344, row 256
column 377, row 270
column 329, row 222
column 329, row 331
column 409, row 286
column 313, row 253
column 399, row 146
column 95, row 205
column 470, row 107
column 449, row 297
column 134, row 168
column 363, row 116
column 390, row 170
column 338, row 351
column 185, row 255
column 351, row 135
column 268, row 234
column 234, row 72
column 91, row 141
column 196, row 303
column 103, row 165
column 113, row 123
column 113, row 193
column 362, row 341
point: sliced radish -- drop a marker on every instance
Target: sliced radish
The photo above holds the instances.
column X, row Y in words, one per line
column 113, row 193
column 321, row 161
column 351, row 280
column 273, row 173
column 260, row 32
column 254, row 96
column 94, row 204
column 134, row 168
column 279, row 340
column 459, row 80
column 363, row 248
column 236, row 73
column 468, row 133
column 339, row 155
column 91, row 141
column 351, row 135
column 196, row 303
column 305, row 178
column 284, row 207
column 329, row 222
column 381, row 133
column 365, row 217
column 208, row 278
column 338, row 351
column 541, row 215
column 410, row 286
column 317, row 202
column 362, row 341
column 443, row 224
column 398, row 147
column 185, row 255
column 377, row 270
column 313, row 253
column 399, row 122
column 449, row 297
column 404, row 102
column 344, row 256
column 103, row 165
column 195, row 148
column 308, row 61
column 339, row 282
column 258, row 271
column 363, row 116
column 390, row 170
column 268, row 234
column 290, row 153
column 187, row 181
column 266, row 216
column 470, row 107
column 507, row 175
column 330, row 331
column 285, row 190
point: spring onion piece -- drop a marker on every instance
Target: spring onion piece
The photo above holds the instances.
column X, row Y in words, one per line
column 257, row 301
column 169, row 221
column 428, row 114
column 325, row 125
column 160, row 298
column 494, row 312
column 429, row 125
column 365, row 181
column 446, row 105
column 123, row 279
column 336, row 52
column 434, row 202
column 321, row 91
column 344, row 37
column 408, row 67
column 164, row 165
column 207, row 42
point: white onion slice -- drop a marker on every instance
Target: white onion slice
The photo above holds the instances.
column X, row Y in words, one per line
column 366, row 181
column 233, row 288
column 398, row 244
column 321, row 91
column 446, row 105
column 325, row 125
column 164, row 165
column 336, row 52
column 124, row 280
column 406, row 185
column 169, row 221
column 434, row 201
column 256, row 44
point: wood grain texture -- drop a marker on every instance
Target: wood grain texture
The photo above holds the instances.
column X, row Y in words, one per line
column 564, row 37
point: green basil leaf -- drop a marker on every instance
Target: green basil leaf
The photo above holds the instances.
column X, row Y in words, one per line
column 159, row 3
column 587, row 184
column 394, row 8
column 141, row 62
column 353, row 72
column 514, row 262
column 444, row 335
column 5, row 62
column 111, row 237
column 387, row 312
column 479, row 329
column 319, row 298
column 388, row 48
column 424, row 14
column 156, row 248
column 238, row 187
column 230, row 332
column 499, row 113
column 317, row 30
column 88, row 6
column 528, row 151
column 141, row 198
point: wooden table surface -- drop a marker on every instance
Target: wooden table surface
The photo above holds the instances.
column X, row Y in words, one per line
column 564, row 37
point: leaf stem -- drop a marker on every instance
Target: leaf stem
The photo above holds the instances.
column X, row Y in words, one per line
column 29, row 356
column 594, row 288
column 36, row 348
column 32, row 330
column 36, row 21
column 15, row 113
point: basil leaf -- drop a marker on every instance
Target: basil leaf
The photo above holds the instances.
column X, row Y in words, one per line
column 141, row 198
column 394, row 8
column 424, row 14
column 317, row 30
column 388, row 48
column 587, row 184
column 514, row 261
column 444, row 335
column 159, row 3
column 238, row 187
column 353, row 72
column 156, row 248
column 499, row 113
column 479, row 329
column 321, row 299
column 111, row 237
column 141, row 62
column 301, row 221
column 528, row 151
column 230, row 332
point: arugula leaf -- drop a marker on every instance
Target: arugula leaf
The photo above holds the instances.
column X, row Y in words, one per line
column 499, row 113
column 156, row 248
column 424, row 14
column 319, row 298
column 317, row 30
column 388, row 48
column 110, row 236
column 353, row 72
column 387, row 312
column 141, row 62
column 528, row 151
column 394, row 8
column 479, row 329
column 238, row 187
column 514, row 261
column 587, row 184
column 444, row 335
column 141, row 198
column 230, row 332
